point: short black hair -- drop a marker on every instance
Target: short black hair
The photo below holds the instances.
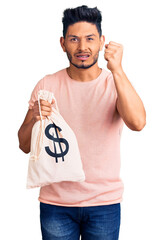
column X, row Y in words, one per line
column 80, row 14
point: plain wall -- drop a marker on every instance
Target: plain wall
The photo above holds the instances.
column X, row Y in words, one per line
column 30, row 49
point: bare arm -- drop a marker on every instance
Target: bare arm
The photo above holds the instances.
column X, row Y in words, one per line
column 129, row 104
column 24, row 133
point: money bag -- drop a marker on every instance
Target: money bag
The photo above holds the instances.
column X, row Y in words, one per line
column 54, row 151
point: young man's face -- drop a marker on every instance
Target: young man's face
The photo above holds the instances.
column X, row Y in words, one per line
column 82, row 44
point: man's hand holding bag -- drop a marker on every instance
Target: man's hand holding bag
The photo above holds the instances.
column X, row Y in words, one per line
column 54, row 155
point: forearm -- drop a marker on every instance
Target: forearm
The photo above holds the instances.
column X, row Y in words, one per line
column 24, row 135
column 129, row 104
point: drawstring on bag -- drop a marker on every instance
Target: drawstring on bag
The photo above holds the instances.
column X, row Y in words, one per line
column 56, row 107
column 40, row 112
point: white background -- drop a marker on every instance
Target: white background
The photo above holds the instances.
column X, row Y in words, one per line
column 30, row 49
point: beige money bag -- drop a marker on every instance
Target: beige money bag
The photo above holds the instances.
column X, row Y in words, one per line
column 54, row 153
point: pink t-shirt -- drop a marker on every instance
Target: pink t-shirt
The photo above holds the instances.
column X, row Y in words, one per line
column 89, row 108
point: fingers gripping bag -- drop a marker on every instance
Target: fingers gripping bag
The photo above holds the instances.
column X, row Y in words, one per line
column 54, row 153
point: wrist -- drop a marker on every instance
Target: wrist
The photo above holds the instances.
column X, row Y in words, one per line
column 33, row 121
column 118, row 71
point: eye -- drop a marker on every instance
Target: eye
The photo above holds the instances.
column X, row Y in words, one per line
column 73, row 39
column 90, row 39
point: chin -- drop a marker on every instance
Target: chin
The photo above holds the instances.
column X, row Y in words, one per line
column 83, row 65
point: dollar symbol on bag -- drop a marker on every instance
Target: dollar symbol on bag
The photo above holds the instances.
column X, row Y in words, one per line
column 58, row 140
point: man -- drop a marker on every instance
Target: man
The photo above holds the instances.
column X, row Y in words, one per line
column 95, row 103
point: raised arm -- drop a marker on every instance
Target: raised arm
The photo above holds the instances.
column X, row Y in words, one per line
column 129, row 104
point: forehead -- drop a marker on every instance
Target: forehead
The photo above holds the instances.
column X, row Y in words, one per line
column 82, row 29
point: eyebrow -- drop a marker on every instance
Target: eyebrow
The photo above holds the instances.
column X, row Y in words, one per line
column 86, row 36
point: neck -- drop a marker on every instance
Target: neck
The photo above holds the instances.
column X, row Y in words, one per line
column 84, row 75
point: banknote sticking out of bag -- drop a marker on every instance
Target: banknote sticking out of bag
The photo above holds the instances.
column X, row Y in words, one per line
column 54, row 153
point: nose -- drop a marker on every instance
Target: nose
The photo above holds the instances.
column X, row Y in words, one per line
column 82, row 45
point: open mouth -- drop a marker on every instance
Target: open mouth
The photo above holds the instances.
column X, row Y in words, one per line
column 82, row 57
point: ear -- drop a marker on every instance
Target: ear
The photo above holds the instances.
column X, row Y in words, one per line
column 62, row 43
column 102, row 41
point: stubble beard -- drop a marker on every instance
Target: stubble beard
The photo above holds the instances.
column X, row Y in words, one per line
column 82, row 65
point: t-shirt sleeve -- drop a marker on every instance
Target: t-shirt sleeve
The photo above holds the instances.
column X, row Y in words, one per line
column 34, row 94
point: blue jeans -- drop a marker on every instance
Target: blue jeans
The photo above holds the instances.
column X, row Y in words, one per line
column 69, row 223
